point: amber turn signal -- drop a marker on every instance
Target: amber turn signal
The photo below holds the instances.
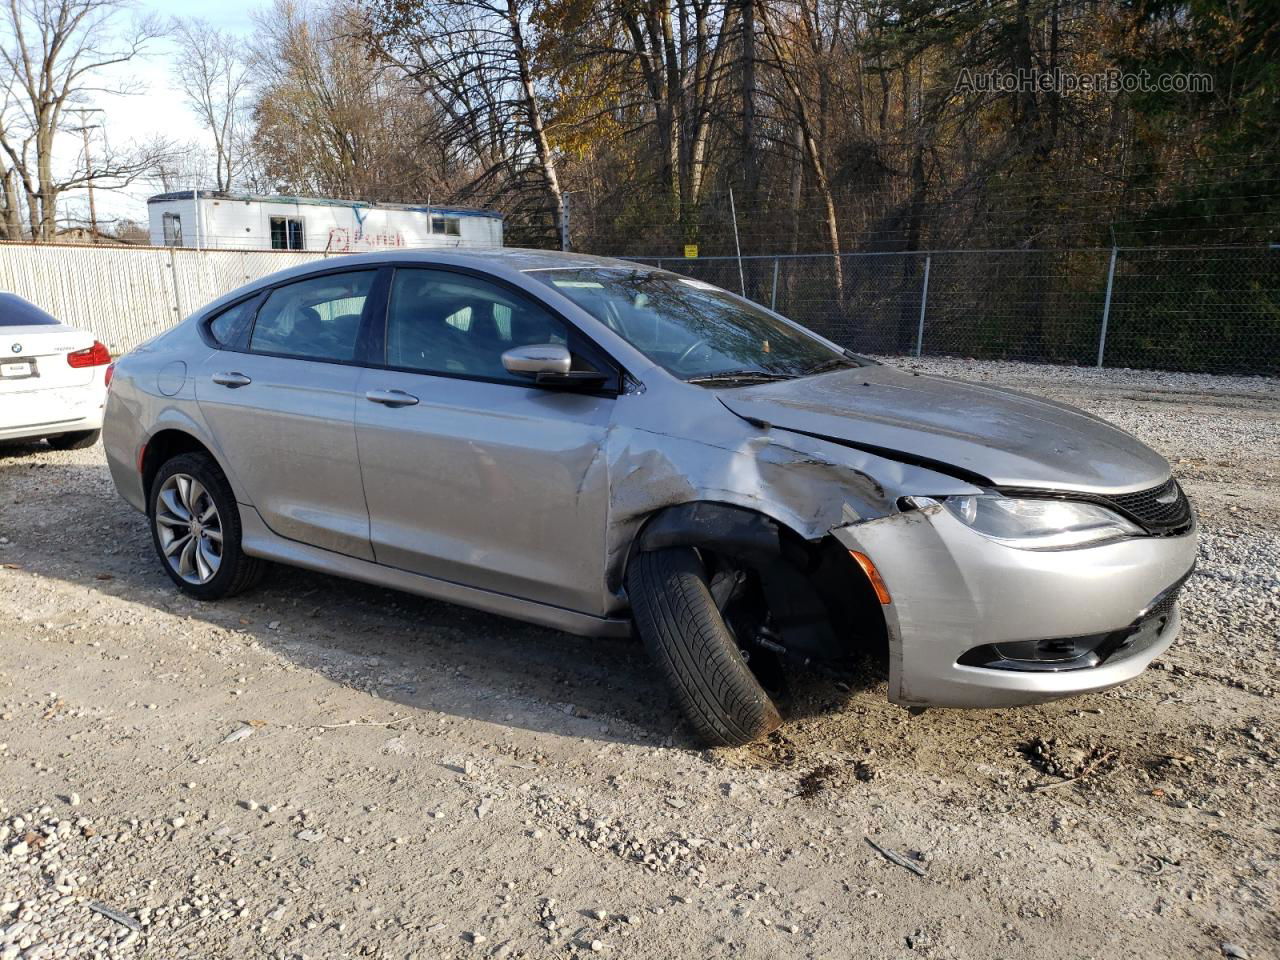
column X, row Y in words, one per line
column 877, row 581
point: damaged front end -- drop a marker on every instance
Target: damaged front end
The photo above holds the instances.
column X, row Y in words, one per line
column 850, row 552
column 764, row 511
column 978, row 623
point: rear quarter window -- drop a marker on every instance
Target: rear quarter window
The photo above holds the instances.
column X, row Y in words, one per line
column 229, row 326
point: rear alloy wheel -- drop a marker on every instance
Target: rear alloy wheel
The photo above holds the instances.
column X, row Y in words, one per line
column 677, row 615
column 195, row 526
column 80, row 440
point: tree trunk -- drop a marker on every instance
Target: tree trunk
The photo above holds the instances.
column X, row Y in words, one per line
column 652, row 62
column 678, row 143
column 814, row 156
column 750, row 161
column 541, row 146
column 48, row 191
column 12, row 208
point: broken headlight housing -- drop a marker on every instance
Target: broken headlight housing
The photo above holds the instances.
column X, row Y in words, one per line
column 1034, row 524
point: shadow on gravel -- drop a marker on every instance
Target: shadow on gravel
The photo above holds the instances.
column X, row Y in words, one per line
column 21, row 449
column 64, row 520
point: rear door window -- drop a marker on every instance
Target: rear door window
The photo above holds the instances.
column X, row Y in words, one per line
column 316, row 319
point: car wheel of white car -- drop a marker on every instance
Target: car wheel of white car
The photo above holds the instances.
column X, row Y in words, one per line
column 80, row 440
column 195, row 526
column 695, row 649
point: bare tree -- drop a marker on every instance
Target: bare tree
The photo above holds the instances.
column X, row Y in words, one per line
column 184, row 164
column 214, row 78
column 682, row 53
column 52, row 57
column 331, row 119
column 808, row 138
column 474, row 59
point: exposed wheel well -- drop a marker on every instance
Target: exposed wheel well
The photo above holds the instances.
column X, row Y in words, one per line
column 163, row 447
column 827, row 608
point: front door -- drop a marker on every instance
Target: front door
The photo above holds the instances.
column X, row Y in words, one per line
column 283, row 412
column 471, row 474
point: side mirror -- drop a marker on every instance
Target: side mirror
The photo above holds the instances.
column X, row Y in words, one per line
column 549, row 364
column 538, row 358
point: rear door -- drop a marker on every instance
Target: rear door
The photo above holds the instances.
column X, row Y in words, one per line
column 472, row 474
column 281, row 407
column 37, row 384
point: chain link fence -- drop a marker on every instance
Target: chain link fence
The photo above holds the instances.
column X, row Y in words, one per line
column 1203, row 309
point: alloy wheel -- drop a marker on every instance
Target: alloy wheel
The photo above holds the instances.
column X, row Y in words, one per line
column 189, row 528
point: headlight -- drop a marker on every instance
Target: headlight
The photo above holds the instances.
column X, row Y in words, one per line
column 1041, row 524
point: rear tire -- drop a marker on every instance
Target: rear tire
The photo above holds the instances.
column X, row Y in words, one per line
column 695, row 651
column 236, row 571
column 80, row 440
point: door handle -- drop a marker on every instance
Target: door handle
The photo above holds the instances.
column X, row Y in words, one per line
column 391, row 398
column 232, row 379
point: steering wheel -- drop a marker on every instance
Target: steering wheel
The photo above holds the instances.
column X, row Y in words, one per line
column 692, row 347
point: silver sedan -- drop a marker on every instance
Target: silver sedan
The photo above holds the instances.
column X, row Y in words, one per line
column 602, row 447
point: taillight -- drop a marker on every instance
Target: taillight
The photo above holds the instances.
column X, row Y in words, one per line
column 94, row 356
column 106, row 377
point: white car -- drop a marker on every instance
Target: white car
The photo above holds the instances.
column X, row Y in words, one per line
column 53, row 378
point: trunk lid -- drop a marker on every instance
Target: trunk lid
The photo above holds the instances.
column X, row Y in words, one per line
column 1011, row 439
column 43, row 348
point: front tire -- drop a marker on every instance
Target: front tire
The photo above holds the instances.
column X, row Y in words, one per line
column 80, row 440
column 195, row 527
column 695, row 650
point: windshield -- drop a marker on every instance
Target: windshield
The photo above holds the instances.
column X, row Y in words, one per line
column 692, row 329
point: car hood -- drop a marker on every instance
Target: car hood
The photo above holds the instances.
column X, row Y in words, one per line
column 970, row 430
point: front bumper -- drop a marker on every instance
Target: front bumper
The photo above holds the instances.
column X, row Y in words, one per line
column 954, row 591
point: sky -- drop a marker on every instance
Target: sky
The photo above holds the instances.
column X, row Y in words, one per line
column 158, row 110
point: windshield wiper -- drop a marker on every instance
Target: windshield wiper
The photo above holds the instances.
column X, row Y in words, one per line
column 741, row 376
column 834, row 363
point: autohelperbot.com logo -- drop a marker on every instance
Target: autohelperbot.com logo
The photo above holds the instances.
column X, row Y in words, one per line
column 1069, row 82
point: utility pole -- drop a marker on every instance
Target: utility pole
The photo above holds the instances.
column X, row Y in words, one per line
column 84, row 129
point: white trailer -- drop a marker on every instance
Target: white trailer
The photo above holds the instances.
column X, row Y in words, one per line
column 208, row 219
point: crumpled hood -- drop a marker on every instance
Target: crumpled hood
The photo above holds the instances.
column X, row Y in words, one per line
column 1009, row 438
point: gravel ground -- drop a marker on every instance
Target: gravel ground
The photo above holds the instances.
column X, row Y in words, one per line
column 325, row 769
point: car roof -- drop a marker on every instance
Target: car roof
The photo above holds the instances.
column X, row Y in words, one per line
column 484, row 258
column 522, row 259
column 498, row 260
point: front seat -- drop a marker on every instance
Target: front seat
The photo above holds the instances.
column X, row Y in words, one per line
column 485, row 342
column 308, row 332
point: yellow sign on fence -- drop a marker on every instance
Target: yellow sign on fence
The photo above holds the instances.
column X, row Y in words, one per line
column 691, row 250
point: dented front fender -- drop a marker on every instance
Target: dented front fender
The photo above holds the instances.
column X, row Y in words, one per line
column 808, row 485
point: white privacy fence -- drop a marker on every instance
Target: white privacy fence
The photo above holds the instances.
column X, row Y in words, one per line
column 125, row 295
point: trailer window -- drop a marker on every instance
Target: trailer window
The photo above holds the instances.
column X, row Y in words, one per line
column 172, row 230
column 446, row 226
column 287, row 234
